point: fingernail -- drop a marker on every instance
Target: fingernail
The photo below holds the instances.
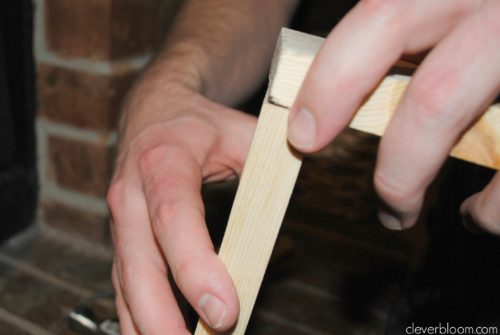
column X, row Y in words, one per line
column 390, row 221
column 213, row 309
column 302, row 130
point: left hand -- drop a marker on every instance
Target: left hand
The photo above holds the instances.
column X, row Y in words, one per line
column 172, row 139
column 450, row 90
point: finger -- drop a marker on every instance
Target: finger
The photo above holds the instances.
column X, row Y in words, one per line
column 228, row 155
column 483, row 207
column 450, row 90
column 171, row 181
column 127, row 326
column 355, row 57
column 150, row 298
column 141, row 269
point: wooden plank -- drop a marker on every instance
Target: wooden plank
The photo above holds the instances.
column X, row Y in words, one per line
column 272, row 166
column 294, row 55
column 263, row 194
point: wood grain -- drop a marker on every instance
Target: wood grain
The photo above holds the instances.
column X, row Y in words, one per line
column 272, row 166
column 261, row 200
column 294, row 55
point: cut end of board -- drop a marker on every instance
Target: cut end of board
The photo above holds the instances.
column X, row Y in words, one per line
column 293, row 56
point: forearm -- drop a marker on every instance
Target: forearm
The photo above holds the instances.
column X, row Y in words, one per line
column 221, row 48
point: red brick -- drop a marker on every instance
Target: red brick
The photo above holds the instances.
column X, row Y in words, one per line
column 81, row 223
column 79, row 27
column 81, row 99
column 80, row 166
column 105, row 29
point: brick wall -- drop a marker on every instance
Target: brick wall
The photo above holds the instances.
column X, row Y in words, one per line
column 87, row 52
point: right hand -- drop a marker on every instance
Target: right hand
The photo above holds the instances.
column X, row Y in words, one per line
column 458, row 79
column 174, row 139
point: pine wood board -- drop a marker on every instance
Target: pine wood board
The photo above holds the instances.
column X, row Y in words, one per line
column 293, row 57
column 261, row 200
column 272, row 166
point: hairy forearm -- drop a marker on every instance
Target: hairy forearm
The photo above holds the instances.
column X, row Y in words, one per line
column 221, row 48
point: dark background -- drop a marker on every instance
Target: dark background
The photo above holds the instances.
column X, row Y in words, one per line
column 18, row 181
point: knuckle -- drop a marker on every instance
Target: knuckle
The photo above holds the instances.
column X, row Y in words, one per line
column 431, row 96
column 487, row 216
column 488, row 221
column 384, row 9
column 186, row 268
column 165, row 213
column 151, row 157
column 377, row 5
column 114, row 195
column 394, row 192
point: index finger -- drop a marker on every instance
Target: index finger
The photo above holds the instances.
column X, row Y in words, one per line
column 141, row 271
column 171, row 180
column 355, row 57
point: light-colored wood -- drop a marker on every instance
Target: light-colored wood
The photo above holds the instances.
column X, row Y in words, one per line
column 294, row 55
column 263, row 194
column 272, row 166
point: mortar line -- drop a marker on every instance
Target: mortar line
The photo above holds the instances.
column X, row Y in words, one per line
column 44, row 55
column 117, row 67
column 42, row 157
column 78, row 134
column 52, row 192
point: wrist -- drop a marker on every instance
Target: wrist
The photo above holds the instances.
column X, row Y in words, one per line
column 173, row 68
column 155, row 97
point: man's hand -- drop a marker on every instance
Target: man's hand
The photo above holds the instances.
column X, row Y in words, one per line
column 458, row 79
column 174, row 140
column 176, row 134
